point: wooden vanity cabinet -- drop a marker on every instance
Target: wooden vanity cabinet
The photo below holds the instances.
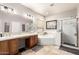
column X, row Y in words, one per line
column 9, row 47
column 13, row 46
column 4, row 48
column 31, row 41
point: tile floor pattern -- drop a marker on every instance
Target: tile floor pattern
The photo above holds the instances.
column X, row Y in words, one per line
column 45, row 50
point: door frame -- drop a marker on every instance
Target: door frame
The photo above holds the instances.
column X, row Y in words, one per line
column 76, row 30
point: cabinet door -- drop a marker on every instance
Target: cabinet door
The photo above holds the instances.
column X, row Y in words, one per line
column 13, row 46
column 36, row 39
column 4, row 49
column 32, row 41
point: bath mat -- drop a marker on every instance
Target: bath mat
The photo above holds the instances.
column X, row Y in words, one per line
column 37, row 48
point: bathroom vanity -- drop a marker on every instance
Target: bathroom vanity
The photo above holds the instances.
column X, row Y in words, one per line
column 9, row 45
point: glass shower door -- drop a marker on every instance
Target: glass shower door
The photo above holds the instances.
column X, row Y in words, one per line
column 69, row 32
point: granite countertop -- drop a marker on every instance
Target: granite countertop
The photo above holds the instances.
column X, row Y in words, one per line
column 16, row 36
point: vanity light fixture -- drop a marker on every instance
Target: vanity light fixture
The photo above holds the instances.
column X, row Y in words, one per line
column 7, row 9
column 52, row 4
column 14, row 12
column 25, row 15
column 28, row 16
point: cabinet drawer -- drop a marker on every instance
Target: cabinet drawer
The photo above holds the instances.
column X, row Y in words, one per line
column 13, row 46
column 32, row 41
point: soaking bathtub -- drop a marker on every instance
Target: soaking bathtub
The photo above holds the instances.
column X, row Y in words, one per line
column 50, row 39
column 47, row 39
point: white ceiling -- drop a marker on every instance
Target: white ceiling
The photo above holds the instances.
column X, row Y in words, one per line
column 45, row 9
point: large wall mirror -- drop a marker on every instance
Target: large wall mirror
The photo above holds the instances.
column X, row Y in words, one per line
column 51, row 24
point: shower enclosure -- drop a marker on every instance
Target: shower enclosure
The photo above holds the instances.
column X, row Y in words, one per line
column 70, row 32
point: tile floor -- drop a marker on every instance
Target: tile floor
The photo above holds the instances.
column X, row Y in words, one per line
column 45, row 50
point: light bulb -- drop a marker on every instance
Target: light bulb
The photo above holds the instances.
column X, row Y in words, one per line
column 14, row 12
column 9, row 10
column 2, row 8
